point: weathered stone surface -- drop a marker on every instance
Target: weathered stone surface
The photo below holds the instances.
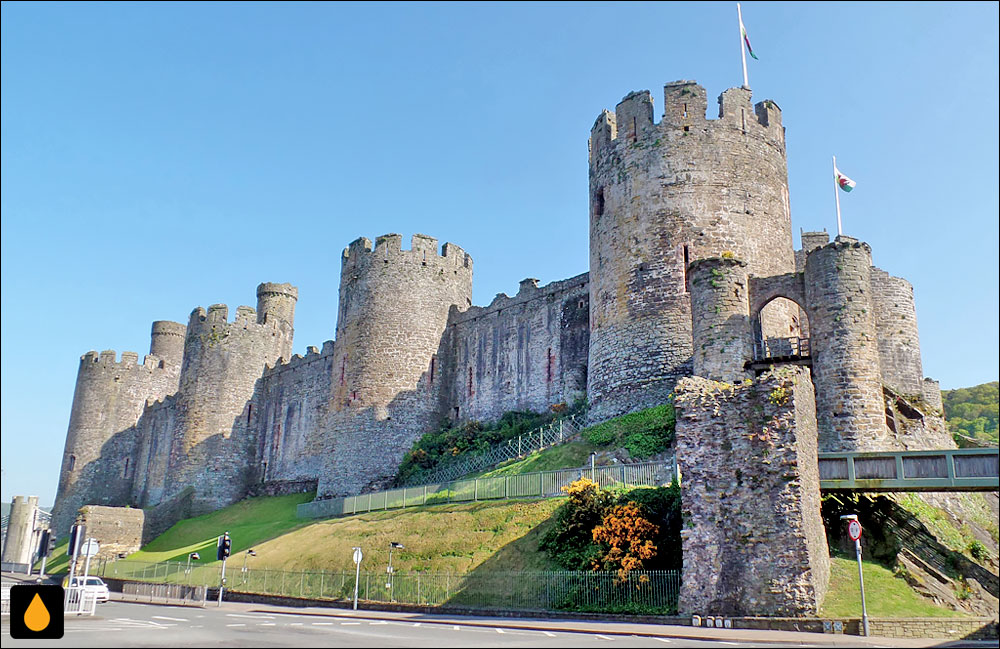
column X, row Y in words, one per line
column 20, row 543
column 753, row 540
column 720, row 319
column 119, row 530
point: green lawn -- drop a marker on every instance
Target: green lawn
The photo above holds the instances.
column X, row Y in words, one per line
column 886, row 595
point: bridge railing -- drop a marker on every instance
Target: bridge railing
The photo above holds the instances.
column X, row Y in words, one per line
column 967, row 469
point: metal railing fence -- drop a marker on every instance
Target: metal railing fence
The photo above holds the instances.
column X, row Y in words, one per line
column 640, row 590
column 551, row 434
column 543, row 484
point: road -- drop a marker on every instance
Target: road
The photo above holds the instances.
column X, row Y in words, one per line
column 125, row 624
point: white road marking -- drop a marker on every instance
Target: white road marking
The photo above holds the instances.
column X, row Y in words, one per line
column 602, row 637
column 664, row 640
column 549, row 633
column 322, row 623
column 377, row 623
column 172, row 619
column 455, row 628
column 350, row 623
column 252, row 617
column 417, row 624
column 239, row 624
column 294, row 624
column 266, row 624
column 499, row 630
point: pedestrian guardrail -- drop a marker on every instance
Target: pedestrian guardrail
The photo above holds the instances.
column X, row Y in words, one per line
column 543, row 484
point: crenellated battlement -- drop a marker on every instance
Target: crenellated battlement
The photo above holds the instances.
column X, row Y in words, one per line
column 313, row 354
column 108, row 360
column 684, row 115
column 388, row 249
column 528, row 291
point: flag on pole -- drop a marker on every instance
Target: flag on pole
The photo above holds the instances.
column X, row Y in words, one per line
column 746, row 39
column 843, row 181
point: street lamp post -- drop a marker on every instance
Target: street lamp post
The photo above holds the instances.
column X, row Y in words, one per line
column 249, row 553
column 392, row 546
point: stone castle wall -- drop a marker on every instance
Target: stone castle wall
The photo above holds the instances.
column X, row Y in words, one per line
column 18, row 545
column 525, row 352
column 720, row 319
column 663, row 195
column 753, row 539
column 119, row 530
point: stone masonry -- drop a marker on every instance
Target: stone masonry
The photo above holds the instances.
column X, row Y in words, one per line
column 753, row 540
column 691, row 270
column 19, row 544
column 118, row 530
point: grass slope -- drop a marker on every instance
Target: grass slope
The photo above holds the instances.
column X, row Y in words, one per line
column 886, row 595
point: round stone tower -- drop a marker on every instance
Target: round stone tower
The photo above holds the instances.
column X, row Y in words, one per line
column 661, row 196
column 394, row 307
column 720, row 319
column 19, row 546
column 211, row 449
column 167, row 341
column 898, row 337
column 108, row 400
column 850, row 407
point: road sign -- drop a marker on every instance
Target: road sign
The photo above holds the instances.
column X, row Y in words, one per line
column 854, row 530
column 90, row 548
column 358, row 556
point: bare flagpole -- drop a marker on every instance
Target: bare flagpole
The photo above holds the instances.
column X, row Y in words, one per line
column 743, row 52
column 836, row 195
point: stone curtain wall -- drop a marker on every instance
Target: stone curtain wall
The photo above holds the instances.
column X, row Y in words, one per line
column 753, row 540
column 525, row 352
column 663, row 195
column 118, row 529
column 896, row 328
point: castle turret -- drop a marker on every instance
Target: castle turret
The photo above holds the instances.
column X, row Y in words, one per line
column 720, row 319
column 393, row 312
column 211, row 448
column 97, row 464
column 276, row 301
column 850, row 408
column 662, row 195
column 898, row 338
column 167, row 342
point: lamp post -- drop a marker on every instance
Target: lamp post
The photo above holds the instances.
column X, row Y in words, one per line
column 248, row 553
column 392, row 546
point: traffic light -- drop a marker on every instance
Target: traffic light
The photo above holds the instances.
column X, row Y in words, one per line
column 76, row 537
column 224, row 547
column 46, row 544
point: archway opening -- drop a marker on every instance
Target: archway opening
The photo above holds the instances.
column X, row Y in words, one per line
column 782, row 330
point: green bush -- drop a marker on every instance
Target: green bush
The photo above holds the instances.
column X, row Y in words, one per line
column 643, row 434
column 978, row 551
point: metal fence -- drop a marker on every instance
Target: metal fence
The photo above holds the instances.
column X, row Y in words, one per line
column 543, row 484
column 649, row 590
column 551, row 434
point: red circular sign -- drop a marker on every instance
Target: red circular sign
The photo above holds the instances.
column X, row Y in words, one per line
column 854, row 530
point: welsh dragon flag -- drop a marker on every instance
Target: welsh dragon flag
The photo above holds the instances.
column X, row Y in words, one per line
column 746, row 39
column 843, row 181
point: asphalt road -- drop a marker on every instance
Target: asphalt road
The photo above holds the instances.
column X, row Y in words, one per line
column 121, row 624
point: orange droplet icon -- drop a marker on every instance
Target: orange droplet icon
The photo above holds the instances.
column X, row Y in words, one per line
column 37, row 616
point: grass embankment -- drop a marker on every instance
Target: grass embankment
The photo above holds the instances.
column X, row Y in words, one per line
column 642, row 434
column 500, row 536
column 886, row 595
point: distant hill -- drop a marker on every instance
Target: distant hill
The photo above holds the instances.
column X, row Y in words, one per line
column 972, row 412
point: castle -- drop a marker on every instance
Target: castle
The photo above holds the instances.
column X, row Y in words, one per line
column 692, row 272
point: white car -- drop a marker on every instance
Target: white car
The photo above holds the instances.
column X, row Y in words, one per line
column 93, row 585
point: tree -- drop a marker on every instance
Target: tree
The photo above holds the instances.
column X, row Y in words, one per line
column 627, row 537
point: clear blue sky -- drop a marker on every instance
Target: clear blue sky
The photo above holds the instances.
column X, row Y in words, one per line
column 158, row 157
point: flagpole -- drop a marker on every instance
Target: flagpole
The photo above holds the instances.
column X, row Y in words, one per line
column 836, row 194
column 743, row 52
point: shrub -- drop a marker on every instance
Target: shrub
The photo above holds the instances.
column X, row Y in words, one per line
column 643, row 433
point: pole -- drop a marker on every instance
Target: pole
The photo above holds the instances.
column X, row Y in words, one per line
column 357, row 578
column 222, row 581
column 861, row 579
column 743, row 52
column 86, row 565
column 836, row 194
column 41, row 573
